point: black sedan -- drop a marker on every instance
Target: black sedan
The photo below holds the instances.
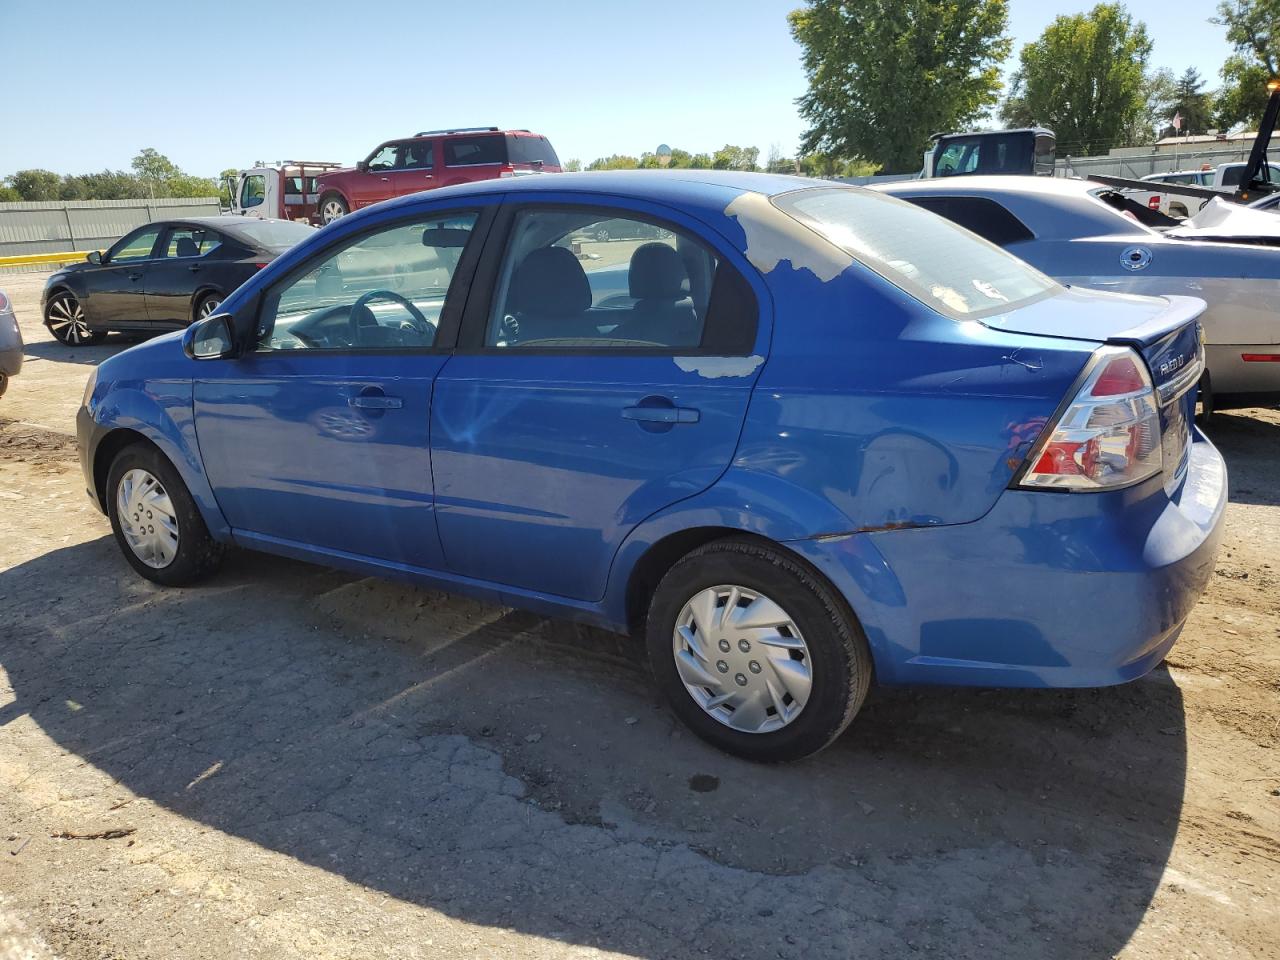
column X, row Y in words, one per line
column 162, row 276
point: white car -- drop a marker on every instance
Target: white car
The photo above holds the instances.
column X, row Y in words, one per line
column 1085, row 234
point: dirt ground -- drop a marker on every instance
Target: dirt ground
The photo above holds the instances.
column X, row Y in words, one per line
column 292, row 762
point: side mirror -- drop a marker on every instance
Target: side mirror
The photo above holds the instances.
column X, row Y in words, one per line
column 362, row 166
column 94, row 256
column 212, row 338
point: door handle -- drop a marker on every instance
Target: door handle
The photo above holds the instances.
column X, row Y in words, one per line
column 375, row 401
column 662, row 414
column 194, row 268
column 135, row 276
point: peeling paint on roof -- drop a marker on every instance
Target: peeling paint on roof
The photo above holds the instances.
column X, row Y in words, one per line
column 713, row 368
column 772, row 237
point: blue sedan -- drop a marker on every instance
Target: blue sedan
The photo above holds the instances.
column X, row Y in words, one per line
column 799, row 436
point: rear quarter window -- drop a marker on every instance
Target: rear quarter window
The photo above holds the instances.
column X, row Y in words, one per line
column 462, row 151
column 949, row 269
column 986, row 218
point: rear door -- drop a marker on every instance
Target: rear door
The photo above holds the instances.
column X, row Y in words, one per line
column 596, row 383
column 318, row 439
column 473, row 156
column 180, row 266
column 116, row 291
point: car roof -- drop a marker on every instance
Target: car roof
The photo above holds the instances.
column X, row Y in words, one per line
column 682, row 187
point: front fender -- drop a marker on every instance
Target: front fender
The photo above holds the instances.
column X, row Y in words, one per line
column 161, row 411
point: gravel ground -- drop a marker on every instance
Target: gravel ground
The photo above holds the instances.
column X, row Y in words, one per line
column 292, row 762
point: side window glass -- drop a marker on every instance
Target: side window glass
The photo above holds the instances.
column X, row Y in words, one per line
column 254, row 191
column 385, row 158
column 383, row 291
column 986, row 218
column 137, row 246
column 581, row 279
column 414, row 155
column 190, row 242
column 491, row 148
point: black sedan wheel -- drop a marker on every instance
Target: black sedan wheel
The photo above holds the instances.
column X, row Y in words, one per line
column 208, row 305
column 65, row 319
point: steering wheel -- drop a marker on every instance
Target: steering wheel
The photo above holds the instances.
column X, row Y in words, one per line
column 360, row 309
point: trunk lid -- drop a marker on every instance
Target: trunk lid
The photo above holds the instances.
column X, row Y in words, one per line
column 1165, row 330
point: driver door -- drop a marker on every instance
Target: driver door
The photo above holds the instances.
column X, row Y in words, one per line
column 319, row 439
column 115, row 291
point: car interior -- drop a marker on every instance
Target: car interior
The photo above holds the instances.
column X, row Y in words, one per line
column 561, row 290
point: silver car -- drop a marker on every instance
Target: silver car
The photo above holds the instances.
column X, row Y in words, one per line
column 1085, row 234
column 10, row 343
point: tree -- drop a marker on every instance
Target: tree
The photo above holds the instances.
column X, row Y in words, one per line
column 1243, row 96
column 9, row 195
column 1191, row 103
column 730, row 157
column 1253, row 29
column 34, row 185
column 1085, row 78
column 617, row 161
column 572, row 165
column 885, row 74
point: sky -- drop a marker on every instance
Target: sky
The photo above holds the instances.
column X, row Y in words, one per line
column 86, row 84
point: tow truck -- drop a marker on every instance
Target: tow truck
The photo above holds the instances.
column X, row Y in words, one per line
column 283, row 191
column 1257, row 180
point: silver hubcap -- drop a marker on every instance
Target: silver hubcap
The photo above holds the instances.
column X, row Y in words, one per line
column 207, row 308
column 331, row 211
column 66, row 320
column 147, row 519
column 742, row 659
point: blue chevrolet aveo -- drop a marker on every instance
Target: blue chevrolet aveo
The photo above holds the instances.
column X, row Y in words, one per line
column 801, row 436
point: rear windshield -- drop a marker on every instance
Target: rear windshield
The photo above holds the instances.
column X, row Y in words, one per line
column 944, row 266
column 276, row 235
column 531, row 150
column 489, row 148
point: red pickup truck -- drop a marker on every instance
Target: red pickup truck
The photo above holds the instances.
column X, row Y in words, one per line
column 433, row 158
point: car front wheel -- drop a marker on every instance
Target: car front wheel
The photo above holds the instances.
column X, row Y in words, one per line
column 156, row 521
column 64, row 316
column 332, row 207
column 208, row 305
column 755, row 652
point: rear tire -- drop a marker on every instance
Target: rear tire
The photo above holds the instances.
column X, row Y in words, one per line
column 146, row 499
column 1204, row 403
column 64, row 316
column 819, row 637
column 332, row 207
column 206, row 306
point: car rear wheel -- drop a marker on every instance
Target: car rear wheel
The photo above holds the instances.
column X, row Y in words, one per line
column 65, row 319
column 207, row 305
column 332, row 207
column 755, row 652
column 156, row 521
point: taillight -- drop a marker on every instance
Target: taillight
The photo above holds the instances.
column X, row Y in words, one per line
column 1108, row 437
column 1153, row 202
column 506, row 170
column 4, row 302
column 259, row 265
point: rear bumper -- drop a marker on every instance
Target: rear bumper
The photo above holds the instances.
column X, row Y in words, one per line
column 11, row 361
column 1047, row 590
column 1230, row 373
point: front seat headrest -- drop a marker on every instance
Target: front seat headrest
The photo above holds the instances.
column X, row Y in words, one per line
column 549, row 281
column 187, row 247
column 657, row 273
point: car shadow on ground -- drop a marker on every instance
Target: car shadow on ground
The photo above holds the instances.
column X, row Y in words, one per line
column 520, row 773
column 63, row 353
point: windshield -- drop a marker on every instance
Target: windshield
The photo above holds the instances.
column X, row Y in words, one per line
column 944, row 266
column 275, row 235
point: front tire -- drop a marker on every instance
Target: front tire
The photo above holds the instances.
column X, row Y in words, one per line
column 64, row 316
column 755, row 652
column 155, row 520
column 332, row 207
